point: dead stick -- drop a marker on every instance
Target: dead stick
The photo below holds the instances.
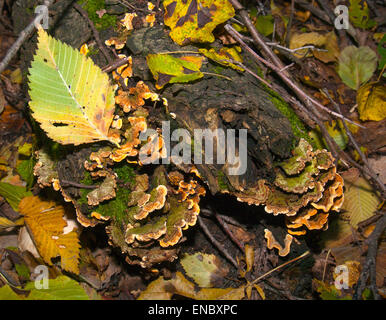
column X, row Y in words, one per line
column 115, row 64
column 372, row 174
column 95, row 32
column 66, row 183
column 277, row 268
column 282, row 74
column 369, row 267
column 22, row 37
column 217, row 244
column 229, row 232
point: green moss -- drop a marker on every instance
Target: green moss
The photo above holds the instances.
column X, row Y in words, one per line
column 92, row 51
column 125, row 172
column 217, row 69
column 87, row 180
column 222, row 181
column 92, row 6
column 297, row 125
column 115, row 208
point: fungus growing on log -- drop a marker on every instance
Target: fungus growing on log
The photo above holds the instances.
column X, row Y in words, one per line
column 306, row 189
column 273, row 243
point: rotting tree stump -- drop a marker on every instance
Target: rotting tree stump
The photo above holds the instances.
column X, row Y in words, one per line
column 217, row 103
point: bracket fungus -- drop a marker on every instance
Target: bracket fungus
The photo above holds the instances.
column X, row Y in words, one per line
column 273, row 243
column 306, row 189
column 182, row 208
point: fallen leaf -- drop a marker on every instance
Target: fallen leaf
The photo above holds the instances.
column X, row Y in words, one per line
column 356, row 65
column 331, row 45
column 45, row 223
column 265, row 24
column 71, row 97
column 224, row 55
column 359, row 14
column 299, row 40
column 162, row 289
column 13, row 194
column 61, row 288
column 205, row 269
column 371, row 99
column 361, row 200
column 195, row 20
column 168, row 69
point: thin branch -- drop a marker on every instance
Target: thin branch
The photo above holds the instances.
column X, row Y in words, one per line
column 369, row 170
column 369, row 267
column 216, row 243
column 115, row 64
column 284, row 76
column 22, row 37
column 95, row 32
column 279, row 267
column 229, row 232
column 67, row 183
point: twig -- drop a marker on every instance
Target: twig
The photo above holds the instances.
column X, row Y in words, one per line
column 66, row 183
column 369, row 170
column 115, row 64
column 277, row 268
column 217, row 244
column 22, row 37
column 229, row 232
column 315, row 11
column 369, row 267
column 278, row 46
column 255, row 35
column 95, row 32
column 289, row 25
column 284, row 76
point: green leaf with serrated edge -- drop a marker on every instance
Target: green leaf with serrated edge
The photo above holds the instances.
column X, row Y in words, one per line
column 168, row 69
column 360, row 199
column 356, row 65
column 71, row 97
column 13, row 194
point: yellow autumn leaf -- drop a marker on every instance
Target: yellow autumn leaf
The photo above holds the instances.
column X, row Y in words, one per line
column 71, row 97
column 161, row 289
column 45, row 223
column 6, row 223
column 299, row 40
column 360, row 199
column 195, row 20
column 371, row 99
column 331, row 45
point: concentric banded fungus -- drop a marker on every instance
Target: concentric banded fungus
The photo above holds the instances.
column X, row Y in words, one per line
column 181, row 212
column 149, row 203
column 272, row 243
column 138, row 125
column 305, row 190
column 105, row 191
